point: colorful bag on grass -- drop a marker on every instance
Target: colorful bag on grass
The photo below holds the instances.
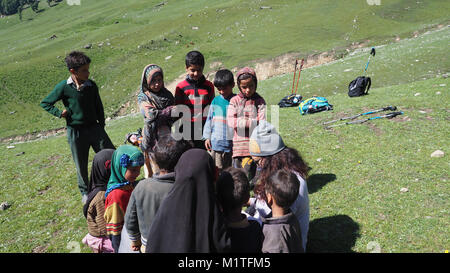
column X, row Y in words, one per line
column 314, row 105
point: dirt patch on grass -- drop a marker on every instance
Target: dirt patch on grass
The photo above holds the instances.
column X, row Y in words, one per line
column 39, row 249
column 375, row 129
column 33, row 136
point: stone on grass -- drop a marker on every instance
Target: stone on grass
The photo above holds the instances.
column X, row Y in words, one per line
column 437, row 153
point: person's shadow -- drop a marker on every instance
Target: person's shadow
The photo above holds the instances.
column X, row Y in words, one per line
column 335, row 234
column 316, row 181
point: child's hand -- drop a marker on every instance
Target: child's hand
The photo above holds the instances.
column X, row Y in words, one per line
column 135, row 245
column 208, row 144
column 135, row 248
column 64, row 113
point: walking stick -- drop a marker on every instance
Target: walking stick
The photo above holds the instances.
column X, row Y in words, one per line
column 299, row 71
column 359, row 121
column 388, row 108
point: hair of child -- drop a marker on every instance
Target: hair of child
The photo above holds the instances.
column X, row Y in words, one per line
column 223, row 78
column 76, row 59
column 288, row 159
column 167, row 151
column 195, row 58
column 284, row 187
column 233, row 188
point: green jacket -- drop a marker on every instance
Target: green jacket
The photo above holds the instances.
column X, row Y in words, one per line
column 85, row 106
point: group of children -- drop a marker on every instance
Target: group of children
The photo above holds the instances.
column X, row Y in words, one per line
column 196, row 187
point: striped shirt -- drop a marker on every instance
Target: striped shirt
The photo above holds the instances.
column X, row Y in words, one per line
column 115, row 207
column 243, row 115
column 197, row 95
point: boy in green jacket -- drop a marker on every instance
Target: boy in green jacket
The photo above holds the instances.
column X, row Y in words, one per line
column 83, row 112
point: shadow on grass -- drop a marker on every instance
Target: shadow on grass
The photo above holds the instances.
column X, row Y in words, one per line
column 317, row 181
column 335, row 234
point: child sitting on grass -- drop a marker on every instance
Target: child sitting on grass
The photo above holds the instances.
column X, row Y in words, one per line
column 217, row 134
column 233, row 191
column 126, row 165
column 282, row 231
column 155, row 103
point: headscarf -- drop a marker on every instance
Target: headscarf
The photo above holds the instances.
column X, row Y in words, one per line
column 246, row 70
column 160, row 102
column 125, row 156
column 161, row 99
column 100, row 172
column 189, row 219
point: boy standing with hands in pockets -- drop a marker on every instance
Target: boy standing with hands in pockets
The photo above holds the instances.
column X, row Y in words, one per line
column 84, row 115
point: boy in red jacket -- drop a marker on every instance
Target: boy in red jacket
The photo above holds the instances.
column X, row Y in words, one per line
column 197, row 93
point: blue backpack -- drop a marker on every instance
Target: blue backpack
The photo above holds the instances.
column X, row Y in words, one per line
column 314, row 105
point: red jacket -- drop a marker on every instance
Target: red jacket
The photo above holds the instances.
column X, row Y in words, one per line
column 243, row 115
column 195, row 94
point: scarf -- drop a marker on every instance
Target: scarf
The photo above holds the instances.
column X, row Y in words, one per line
column 125, row 156
column 160, row 99
column 100, row 172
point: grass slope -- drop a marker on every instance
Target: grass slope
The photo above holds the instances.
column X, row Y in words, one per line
column 135, row 33
column 355, row 196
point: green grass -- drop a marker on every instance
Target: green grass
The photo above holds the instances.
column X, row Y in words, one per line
column 232, row 32
column 355, row 197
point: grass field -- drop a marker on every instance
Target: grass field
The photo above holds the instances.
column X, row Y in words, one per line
column 357, row 171
column 135, row 33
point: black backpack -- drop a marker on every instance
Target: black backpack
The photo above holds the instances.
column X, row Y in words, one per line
column 359, row 86
column 290, row 100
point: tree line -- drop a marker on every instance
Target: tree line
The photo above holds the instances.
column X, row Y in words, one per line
column 9, row 7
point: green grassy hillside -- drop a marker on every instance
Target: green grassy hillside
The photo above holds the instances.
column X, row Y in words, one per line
column 134, row 33
column 358, row 176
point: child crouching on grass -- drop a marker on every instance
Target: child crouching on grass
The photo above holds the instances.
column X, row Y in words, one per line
column 94, row 209
column 126, row 165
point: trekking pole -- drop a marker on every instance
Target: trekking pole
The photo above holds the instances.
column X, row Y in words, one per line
column 372, row 53
column 359, row 121
column 295, row 72
column 299, row 71
column 388, row 108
